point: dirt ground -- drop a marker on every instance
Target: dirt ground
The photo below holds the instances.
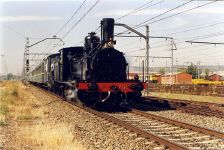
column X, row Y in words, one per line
column 23, row 118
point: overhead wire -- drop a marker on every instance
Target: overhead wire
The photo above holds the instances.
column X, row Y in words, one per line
column 182, row 12
column 144, row 22
column 152, row 18
column 192, row 29
column 172, row 9
column 66, row 23
column 75, row 12
column 183, row 41
column 205, row 50
column 140, row 8
column 196, row 28
column 83, row 16
column 195, row 38
column 13, row 30
column 135, row 10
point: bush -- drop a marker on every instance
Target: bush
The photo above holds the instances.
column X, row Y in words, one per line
column 2, row 120
column 3, row 110
column 25, row 117
column 14, row 91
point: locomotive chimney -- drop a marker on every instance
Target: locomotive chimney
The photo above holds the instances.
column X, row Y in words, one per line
column 107, row 31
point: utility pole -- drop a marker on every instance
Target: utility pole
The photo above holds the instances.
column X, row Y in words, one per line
column 146, row 37
column 217, row 72
column 166, row 74
column 173, row 47
column 143, row 68
column 176, row 70
column 147, row 53
column 2, row 55
column 198, row 70
column 171, row 73
column 4, row 65
column 27, row 61
column 26, row 53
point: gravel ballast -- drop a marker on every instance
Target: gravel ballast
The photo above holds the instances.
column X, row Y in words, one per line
column 203, row 121
column 91, row 131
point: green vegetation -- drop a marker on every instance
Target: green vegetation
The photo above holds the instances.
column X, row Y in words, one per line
column 4, row 110
column 25, row 117
column 14, row 91
column 192, row 70
column 12, row 105
column 207, row 74
column 162, row 71
column 9, row 76
column 3, row 113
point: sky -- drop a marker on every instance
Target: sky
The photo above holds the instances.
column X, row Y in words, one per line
column 44, row 19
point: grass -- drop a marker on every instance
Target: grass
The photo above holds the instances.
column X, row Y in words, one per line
column 25, row 117
column 17, row 104
column 14, row 91
column 13, row 105
column 2, row 120
column 51, row 137
column 4, row 110
column 3, row 113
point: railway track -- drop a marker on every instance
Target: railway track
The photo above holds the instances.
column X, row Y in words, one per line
column 201, row 108
column 183, row 134
column 169, row 133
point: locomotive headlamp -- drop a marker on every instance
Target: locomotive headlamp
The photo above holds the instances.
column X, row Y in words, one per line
column 114, row 88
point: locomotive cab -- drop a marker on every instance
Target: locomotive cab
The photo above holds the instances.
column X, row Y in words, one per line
column 71, row 64
column 52, row 67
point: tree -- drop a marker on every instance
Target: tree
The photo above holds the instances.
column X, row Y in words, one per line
column 207, row 73
column 9, row 76
column 162, row 70
column 192, row 70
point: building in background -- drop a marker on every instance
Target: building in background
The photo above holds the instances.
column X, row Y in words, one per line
column 175, row 78
column 215, row 77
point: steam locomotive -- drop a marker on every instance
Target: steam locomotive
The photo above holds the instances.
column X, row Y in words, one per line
column 94, row 73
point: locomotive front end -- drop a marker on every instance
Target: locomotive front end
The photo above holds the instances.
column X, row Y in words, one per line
column 106, row 73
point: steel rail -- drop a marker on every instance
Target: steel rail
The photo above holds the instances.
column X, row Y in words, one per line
column 202, row 108
column 183, row 101
column 178, row 123
column 137, row 130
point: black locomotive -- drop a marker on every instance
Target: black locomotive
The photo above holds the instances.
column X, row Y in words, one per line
column 95, row 73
